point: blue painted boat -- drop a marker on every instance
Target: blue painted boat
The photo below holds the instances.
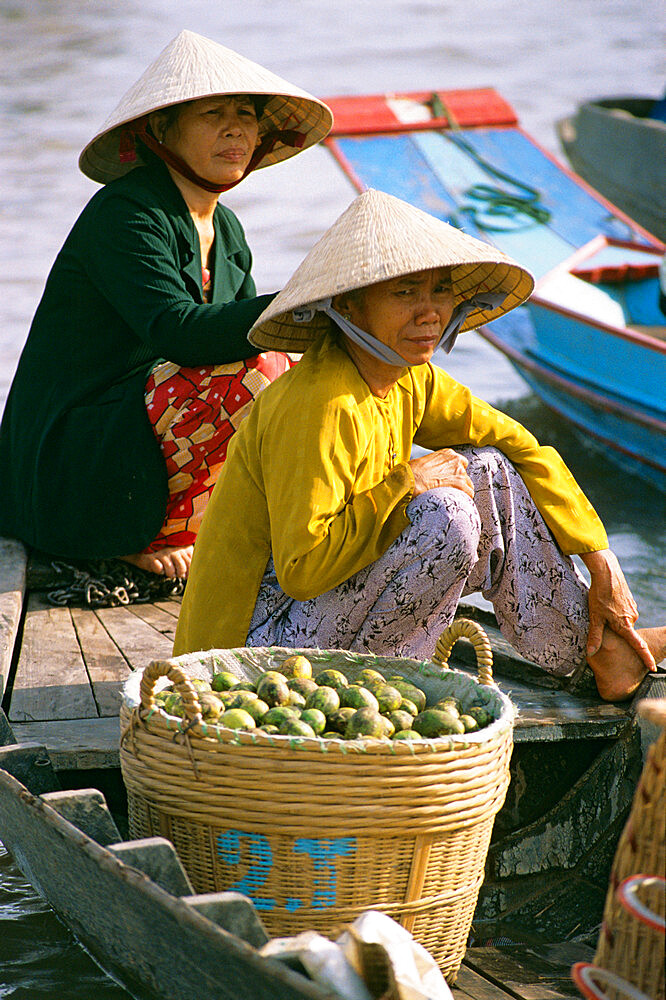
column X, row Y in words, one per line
column 591, row 342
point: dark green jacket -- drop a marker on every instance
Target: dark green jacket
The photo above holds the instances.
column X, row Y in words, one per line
column 82, row 472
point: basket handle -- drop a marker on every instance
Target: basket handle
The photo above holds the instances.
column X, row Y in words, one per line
column 464, row 627
column 180, row 680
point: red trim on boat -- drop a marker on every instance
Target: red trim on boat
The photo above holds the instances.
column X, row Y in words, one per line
column 370, row 114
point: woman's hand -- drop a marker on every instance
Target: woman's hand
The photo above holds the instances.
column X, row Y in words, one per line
column 611, row 604
column 441, row 468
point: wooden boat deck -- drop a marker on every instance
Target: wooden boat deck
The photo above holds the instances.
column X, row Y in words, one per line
column 61, row 670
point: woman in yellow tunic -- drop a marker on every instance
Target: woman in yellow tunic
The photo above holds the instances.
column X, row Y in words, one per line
column 324, row 531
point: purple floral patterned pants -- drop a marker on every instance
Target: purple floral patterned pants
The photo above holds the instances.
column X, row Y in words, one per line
column 496, row 544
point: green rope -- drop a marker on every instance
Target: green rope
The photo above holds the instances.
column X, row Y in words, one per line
column 487, row 201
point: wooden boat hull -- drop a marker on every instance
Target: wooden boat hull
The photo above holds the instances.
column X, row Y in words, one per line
column 620, row 150
column 152, row 941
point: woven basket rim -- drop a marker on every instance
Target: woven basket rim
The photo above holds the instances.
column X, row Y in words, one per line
column 202, row 664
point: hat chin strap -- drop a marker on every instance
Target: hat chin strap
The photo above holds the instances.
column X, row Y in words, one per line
column 139, row 130
column 381, row 351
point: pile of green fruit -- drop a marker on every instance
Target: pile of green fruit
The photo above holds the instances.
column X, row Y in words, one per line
column 289, row 701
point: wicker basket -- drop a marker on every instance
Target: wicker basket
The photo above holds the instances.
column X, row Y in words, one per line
column 317, row 831
column 630, row 947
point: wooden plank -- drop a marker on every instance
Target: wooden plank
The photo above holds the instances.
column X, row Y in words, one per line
column 471, row 986
column 171, row 607
column 530, row 973
column 13, row 562
column 137, row 639
column 160, row 620
column 51, row 680
column 76, row 745
column 107, row 666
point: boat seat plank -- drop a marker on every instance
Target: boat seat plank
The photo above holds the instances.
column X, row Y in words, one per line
column 13, row 566
column 155, row 857
column 106, row 664
column 80, row 744
column 233, row 912
column 139, row 641
column 87, row 810
column 51, row 680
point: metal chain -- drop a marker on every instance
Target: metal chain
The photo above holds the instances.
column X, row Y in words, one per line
column 109, row 583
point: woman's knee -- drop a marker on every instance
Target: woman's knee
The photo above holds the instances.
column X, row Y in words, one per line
column 447, row 519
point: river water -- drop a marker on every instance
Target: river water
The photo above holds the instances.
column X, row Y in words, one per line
column 65, row 63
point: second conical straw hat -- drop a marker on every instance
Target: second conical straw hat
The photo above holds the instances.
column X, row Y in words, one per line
column 380, row 237
column 192, row 67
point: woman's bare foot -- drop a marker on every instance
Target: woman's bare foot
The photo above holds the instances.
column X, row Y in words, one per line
column 170, row 561
column 618, row 669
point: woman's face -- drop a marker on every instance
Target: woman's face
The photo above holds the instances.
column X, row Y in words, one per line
column 216, row 136
column 408, row 314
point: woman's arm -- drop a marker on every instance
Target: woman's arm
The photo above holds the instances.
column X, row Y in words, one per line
column 132, row 256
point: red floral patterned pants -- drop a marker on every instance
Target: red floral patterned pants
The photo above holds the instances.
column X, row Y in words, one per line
column 194, row 412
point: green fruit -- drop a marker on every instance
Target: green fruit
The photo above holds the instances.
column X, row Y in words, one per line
column 338, row 720
column 268, row 730
column 397, row 677
column 409, row 706
column 448, row 705
column 370, row 679
column 401, row 719
column 406, row 734
column 369, row 676
column 258, row 709
column 358, row 697
column 412, row 692
column 244, row 686
column 365, row 722
column 272, row 688
column 332, row 678
column 331, row 735
column 241, row 699
column 211, row 706
column 275, row 716
column 161, row 696
column 200, row 685
column 223, row 681
column 389, row 727
column 297, row 699
column 173, row 704
column 296, row 727
column 237, row 718
column 314, row 718
column 296, row 666
column 388, row 697
column 226, row 697
column 469, row 723
column 433, row 722
column 304, row 685
column 482, row 716
column 325, row 698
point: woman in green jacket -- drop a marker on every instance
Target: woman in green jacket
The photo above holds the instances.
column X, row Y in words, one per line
column 137, row 369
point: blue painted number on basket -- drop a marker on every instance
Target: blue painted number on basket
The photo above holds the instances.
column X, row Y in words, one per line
column 325, row 881
column 254, row 850
column 259, row 858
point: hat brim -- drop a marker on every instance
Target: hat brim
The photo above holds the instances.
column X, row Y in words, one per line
column 100, row 159
column 279, row 331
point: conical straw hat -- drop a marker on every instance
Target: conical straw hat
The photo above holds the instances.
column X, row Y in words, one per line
column 380, row 237
column 192, row 67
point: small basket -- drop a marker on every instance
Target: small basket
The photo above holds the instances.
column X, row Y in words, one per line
column 316, row 831
column 631, row 948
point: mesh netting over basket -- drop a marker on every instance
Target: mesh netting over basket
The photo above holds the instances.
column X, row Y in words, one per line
column 315, row 831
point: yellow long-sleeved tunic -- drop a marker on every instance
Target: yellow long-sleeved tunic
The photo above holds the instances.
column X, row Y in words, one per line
column 318, row 475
